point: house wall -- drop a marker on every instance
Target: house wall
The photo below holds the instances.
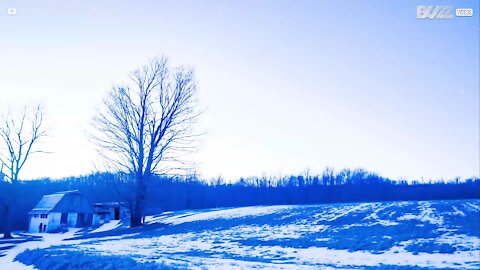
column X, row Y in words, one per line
column 72, row 220
column 99, row 219
column 53, row 221
column 36, row 221
column 124, row 213
column 96, row 220
column 107, row 213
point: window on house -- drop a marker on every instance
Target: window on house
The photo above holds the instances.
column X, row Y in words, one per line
column 35, row 215
column 43, row 215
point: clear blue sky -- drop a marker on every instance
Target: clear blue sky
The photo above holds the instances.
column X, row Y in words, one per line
column 287, row 85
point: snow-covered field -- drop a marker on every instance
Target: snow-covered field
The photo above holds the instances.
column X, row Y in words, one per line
column 424, row 235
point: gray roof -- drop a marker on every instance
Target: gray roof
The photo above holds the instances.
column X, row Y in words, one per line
column 64, row 202
column 109, row 204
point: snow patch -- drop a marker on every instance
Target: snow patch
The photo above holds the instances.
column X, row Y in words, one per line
column 219, row 214
column 167, row 248
column 107, row 226
column 426, row 214
column 457, row 212
column 49, row 239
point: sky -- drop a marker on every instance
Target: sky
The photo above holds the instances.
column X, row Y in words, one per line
column 286, row 86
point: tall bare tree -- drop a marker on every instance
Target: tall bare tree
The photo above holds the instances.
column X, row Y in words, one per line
column 146, row 127
column 19, row 133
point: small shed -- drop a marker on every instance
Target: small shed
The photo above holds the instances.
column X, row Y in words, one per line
column 106, row 211
column 59, row 210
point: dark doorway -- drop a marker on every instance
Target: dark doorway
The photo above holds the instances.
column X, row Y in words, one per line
column 117, row 213
column 40, row 227
column 80, row 220
column 88, row 220
column 44, row 228
column 63, row 218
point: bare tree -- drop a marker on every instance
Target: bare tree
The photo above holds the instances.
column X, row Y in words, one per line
column 147, row 127
column 19, row 134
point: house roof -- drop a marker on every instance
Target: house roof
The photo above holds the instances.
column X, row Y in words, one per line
column 109, row 204
column 105, row 207
column 71, row 201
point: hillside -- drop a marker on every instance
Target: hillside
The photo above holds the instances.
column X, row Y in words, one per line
column 398, row 235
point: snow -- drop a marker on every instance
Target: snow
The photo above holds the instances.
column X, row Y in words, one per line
column 268, row 232
column 339, row 212
column 384, row 223
column 221, row 263
column 169, row 246
column 4, row 245
column 107, row 226
column 476, row 207
column 427, row 214
column 457, row 212
column 217, row 214
column 376, row 219
column 407, row 217
column 213, row 249
column 293, row 237
column 460, row 240
column 48, row 240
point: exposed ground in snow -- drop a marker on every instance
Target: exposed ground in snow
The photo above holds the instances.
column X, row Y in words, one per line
column 427, row 235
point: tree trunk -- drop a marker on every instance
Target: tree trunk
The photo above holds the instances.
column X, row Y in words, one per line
column 135, row 219
column 136, row 215
column 6, row 223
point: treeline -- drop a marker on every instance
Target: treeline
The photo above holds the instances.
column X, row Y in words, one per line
column 175, row 193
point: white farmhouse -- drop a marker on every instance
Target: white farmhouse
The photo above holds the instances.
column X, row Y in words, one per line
column 60, row 210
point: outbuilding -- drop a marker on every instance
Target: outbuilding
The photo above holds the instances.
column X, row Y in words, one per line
column 67, row 209
column 107, row 211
